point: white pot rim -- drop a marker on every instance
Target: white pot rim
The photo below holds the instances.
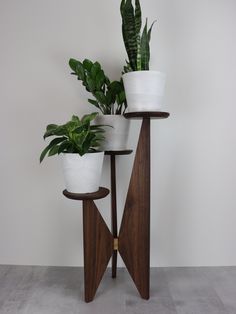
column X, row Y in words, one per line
column 111, row 115
column 92, row 153
column 145, row 71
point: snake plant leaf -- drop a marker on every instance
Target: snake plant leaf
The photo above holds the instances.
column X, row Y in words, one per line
column 150, row 31
column 145, row 50
column 87, row 65
column 139, row 58
column 129, row 32
column 138, row 17
column 122, row 7
column 138, row 25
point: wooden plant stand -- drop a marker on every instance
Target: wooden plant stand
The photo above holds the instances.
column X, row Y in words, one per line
column 133, row 240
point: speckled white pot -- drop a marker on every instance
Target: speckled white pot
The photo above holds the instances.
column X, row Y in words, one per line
column 116, row 136
column 144, row 90
column 82, row 174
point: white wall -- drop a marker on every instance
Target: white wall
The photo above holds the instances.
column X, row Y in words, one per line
column 193, row 152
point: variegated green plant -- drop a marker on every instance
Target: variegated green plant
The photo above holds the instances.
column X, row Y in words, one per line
column 137, row 43
column 77, row 136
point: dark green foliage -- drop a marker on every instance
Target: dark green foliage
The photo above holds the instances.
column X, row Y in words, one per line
column 137, row 45
column 76, row 136
column 109, row 96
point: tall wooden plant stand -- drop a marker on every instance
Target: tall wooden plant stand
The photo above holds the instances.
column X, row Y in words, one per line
column 133, row 240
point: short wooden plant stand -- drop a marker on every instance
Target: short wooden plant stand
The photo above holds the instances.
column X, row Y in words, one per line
column 133, row 240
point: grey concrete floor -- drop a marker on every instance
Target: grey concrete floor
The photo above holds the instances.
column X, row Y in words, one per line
column 59, row 290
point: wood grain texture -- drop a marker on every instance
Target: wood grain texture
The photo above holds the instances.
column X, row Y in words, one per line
column 147, row 114
column 118, row 152
column 98, row 248
column 101, row 193
column 113, row 211
column 134, row 236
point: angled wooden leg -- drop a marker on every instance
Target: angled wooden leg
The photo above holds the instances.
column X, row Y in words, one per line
column 98, row 248
column 134, row 236
column 113, row 212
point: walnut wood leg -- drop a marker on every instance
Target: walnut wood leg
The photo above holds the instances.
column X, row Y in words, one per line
column 113, row 212
column 134, row 236
column 98, row 248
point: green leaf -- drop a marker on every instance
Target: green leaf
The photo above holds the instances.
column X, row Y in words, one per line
column 80, row 71
column 100, row 97
column 150, row 31
column 59, row 130
column 89, row 117
column 91, row 84
column 87, row 64
column 64, row 147
column 95, row 69
column 51, row 127
column 138, row 17
column 54, row 142
column 100, row 79
column 75, row 119
column 70, row 126
column 110, row 98
column 122, row 7
column 93, row 102
column 139, row 57
column 98, row 128
column 145, row 50
column 129, row 32
column 115, row 86
column 53, row 151
column 73, row 64
column 107, row 81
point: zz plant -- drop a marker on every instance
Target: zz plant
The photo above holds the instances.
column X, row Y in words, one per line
column 109, row 96
column 76, row 136
column 137, row 43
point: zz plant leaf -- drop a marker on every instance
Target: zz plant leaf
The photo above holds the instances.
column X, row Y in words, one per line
column 98, row 84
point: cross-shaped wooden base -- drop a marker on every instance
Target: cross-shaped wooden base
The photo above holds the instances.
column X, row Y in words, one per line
column 133, row 241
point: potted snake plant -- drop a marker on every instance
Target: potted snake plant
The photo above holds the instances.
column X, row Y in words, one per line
column 79, row 144
column 109, row 98
column 144, row 88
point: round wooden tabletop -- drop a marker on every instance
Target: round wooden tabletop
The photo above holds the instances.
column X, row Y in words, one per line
column 119, row 152
column 101, row 193
column 147, row 114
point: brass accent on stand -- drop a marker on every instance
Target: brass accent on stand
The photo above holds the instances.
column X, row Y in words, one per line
column 115, row 244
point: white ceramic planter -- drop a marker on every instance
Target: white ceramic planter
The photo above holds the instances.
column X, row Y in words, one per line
column 116, row 136
column 144, row 90
column 82, row 174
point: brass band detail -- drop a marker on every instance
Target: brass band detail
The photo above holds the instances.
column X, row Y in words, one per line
column 115, row 244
